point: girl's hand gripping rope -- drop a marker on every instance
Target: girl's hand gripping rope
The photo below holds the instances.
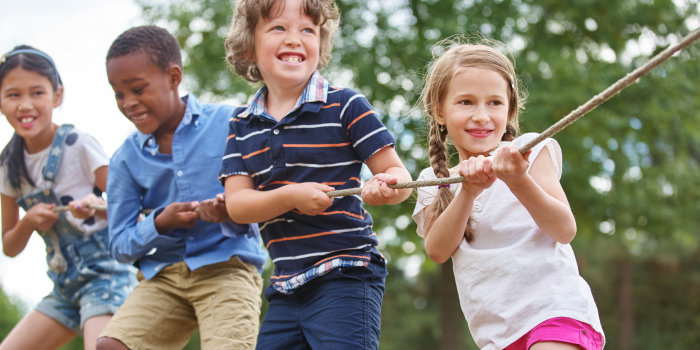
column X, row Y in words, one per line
column 477, row 175
column 42, row 216
column 510, row 165
column 86, row 207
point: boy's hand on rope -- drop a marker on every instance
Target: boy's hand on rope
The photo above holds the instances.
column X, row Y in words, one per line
column 510, row 165
column 41, row 216
column 478, row 174
column 377, row 191
column 177, row 215
column 310, row 197
column 81, row 208
column 213, row 209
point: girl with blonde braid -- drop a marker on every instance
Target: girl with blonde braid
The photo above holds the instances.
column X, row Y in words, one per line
column 508, row 225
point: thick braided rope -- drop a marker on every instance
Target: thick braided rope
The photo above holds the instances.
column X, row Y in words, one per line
column 594, row 102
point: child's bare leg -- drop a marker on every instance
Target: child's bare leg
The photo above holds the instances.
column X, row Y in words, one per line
column 92, row 329
column 37, row 331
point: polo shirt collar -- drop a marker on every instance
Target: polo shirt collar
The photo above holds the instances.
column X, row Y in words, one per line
column 316, row 90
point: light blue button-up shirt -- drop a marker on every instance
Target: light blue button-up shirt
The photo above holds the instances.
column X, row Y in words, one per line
column 142, row 178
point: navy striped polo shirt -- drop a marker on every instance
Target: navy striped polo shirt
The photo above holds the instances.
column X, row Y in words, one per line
column 326, row 138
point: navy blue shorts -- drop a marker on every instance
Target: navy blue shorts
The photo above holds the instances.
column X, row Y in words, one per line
column 339, row 310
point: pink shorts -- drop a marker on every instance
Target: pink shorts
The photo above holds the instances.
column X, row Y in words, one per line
column 563, row 330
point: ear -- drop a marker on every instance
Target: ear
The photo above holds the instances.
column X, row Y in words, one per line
column 175, row 75
column 58, row 97
column 439, row 118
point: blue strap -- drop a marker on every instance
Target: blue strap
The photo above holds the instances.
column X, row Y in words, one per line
column 55, row 153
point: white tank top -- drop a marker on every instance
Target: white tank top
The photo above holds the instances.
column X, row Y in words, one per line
column 512, row 276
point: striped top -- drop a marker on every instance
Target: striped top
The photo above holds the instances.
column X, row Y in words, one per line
column 325, row 138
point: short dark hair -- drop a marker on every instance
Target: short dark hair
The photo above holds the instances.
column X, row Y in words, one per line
column 153, row 40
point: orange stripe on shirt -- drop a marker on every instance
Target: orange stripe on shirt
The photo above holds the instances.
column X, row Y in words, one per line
column 332, row 105
column 300, row 237
column 315, row 145
column 361, row 217
column 256, row 153
column 230, row 137
column 277, row 183
column 360, row 117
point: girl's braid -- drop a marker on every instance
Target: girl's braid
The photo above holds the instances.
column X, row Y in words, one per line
column 438, row 153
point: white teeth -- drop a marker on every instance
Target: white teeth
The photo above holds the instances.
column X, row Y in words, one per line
column 139, row 117
column 26, row 120
column 292, row 59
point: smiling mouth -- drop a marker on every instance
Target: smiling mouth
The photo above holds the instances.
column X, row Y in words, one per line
column 138, row 117
column 26, row 120
column 292, row 58
column 479, row 133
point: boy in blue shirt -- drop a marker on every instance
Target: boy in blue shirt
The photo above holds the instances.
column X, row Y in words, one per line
column 298, row 139
column 197, row 267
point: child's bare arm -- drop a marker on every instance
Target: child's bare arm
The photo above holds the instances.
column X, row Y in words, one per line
column 388, row 170
column 246, row 205
column 538, row 190
column 15, row 231
column 447, row 231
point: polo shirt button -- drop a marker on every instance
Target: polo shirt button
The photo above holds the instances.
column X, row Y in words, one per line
column 179, row 173
column 276, row 131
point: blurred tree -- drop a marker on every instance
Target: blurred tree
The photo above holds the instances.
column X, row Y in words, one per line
column 10, row 313
column 630, row 167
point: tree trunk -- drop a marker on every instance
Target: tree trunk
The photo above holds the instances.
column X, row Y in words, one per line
column 452, row 322
column 626, row 303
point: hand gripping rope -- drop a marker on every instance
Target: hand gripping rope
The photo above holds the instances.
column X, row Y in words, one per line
column 577, row 113
column 596, row 100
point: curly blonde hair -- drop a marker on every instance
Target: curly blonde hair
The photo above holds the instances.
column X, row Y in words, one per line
column 240, row 43
column 440, row 73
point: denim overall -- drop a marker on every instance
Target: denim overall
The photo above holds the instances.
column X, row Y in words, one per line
column 80, row 266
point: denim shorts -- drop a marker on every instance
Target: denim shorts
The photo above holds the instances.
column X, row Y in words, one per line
column 339, row 310
column 93, row 284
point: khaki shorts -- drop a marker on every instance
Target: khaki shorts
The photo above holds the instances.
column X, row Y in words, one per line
column 163, row 312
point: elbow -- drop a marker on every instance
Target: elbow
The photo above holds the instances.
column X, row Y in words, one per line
column 567, row 234
column 9, row 250
column 122, row 258
column 120, row 254
column 438, row 258
column 9, row 253
column 238, row 215
column 436, row 255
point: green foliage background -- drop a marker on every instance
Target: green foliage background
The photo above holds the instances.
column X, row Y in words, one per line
column 630, row 166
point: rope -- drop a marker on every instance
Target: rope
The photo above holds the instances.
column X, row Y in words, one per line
column 62, row 208
column 594, row 102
